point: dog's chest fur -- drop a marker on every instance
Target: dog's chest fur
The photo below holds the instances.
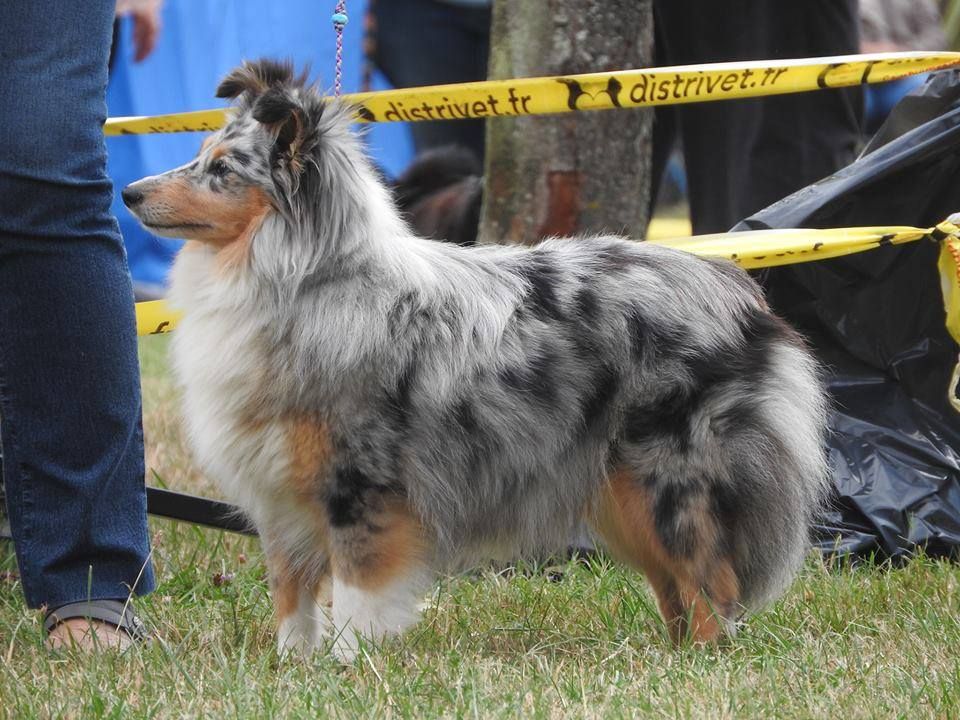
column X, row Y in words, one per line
column 239, row 433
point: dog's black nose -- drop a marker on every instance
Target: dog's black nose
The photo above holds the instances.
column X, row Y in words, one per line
column 131, row 197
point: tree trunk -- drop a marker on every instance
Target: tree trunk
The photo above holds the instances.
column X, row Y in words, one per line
column 576, row 173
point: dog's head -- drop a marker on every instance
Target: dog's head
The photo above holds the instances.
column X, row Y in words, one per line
column 282, row 141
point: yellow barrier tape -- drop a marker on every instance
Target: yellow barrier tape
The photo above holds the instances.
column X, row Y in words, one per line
column 155, row 317
column 751, row 250
column 949, row 266
column 194, row 121
column 953, row 393
column 594, row 91
column 769, row 248
column 759, row 249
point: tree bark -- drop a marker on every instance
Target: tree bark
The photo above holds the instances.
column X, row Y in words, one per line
column 576, row 173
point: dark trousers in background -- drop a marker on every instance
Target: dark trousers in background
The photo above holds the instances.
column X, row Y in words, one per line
column 427, row 42
column 742, row 155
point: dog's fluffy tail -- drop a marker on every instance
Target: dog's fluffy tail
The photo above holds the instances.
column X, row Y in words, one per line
column 784, row 472
column 727, row 470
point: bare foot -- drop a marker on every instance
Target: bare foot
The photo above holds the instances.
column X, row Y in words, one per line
column 87, row 636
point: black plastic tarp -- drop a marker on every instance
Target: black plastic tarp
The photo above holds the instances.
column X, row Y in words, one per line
column 876, row 319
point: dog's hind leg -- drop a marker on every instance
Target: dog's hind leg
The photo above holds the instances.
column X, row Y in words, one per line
column 380, row 574
column 683, row 558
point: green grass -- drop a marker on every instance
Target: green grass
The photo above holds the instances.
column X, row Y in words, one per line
column 575, row 639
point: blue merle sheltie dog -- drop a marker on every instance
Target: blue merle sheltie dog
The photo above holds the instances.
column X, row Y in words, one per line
column 385, row 407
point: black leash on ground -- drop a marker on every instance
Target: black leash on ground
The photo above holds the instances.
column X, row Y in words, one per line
column 197, row 510
column 177, row 506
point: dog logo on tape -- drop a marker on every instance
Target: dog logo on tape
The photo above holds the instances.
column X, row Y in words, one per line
column 576, row 94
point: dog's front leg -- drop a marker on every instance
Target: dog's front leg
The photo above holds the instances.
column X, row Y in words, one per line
column 308, row 625
column 380, row 574
column 372, row 614
column 302, row 596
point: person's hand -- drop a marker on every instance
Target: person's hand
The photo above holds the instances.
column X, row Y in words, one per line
column 146, row 31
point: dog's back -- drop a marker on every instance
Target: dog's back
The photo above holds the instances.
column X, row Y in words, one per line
column 514, row 405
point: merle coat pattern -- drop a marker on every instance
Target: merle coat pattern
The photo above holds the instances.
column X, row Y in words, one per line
column 385, row 406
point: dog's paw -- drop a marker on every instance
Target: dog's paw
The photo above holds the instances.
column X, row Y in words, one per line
column 294, row 644
column 346, row 647
column 297, row 635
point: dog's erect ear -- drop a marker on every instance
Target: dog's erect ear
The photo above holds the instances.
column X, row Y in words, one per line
column 256, row 78
column 284, row 117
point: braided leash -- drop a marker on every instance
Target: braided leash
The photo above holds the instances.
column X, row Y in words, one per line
column 339, row 20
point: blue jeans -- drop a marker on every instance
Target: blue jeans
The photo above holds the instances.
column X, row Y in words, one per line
column 69, row 378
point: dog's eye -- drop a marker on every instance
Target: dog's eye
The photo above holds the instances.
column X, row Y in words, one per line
column 219, row 169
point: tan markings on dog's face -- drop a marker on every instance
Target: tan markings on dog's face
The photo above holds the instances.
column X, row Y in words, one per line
column 220, row 198
column 181, row 207
column 236, row 253
column 372, row 558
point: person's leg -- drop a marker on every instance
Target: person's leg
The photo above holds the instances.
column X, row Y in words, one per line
column 664, row 124
column 742, row 155
column 69, row 376
column 807, row 136
column 716, row 136
column 426, row 42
